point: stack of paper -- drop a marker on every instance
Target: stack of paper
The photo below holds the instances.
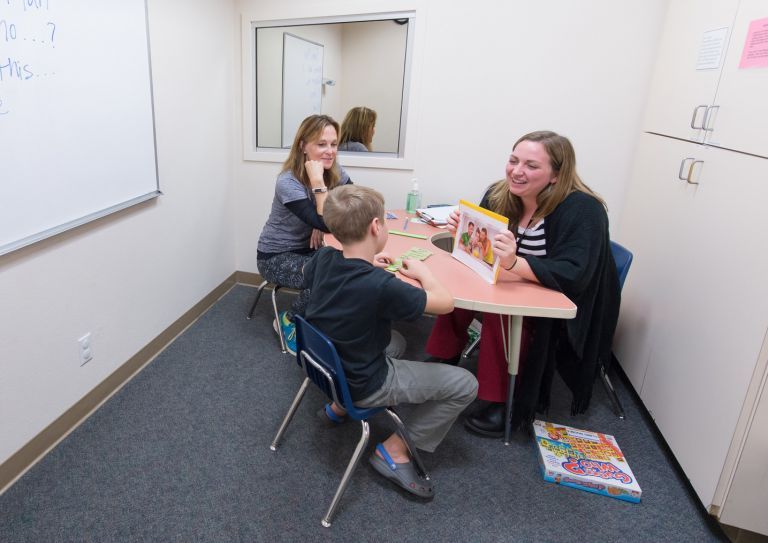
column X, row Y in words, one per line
column 436, row 216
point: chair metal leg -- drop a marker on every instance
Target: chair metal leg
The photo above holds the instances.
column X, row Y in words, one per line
column 291, row 411
column 258, row 295
column 615, row 403
column 471, row 348
column 353, row 462
column 277, row 318
column 402, row 431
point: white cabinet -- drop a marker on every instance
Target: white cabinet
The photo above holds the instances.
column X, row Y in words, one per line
column 713, row 101
column 745, row 505
column 680, row 93
column 694, row 309
column 739, row 119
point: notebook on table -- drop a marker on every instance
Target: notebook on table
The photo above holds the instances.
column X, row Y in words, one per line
column 436, row 216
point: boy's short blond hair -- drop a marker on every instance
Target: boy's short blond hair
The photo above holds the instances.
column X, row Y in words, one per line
column 349, row 210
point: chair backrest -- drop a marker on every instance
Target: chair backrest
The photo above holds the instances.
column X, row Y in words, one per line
column 318, row 357
column 623, row 260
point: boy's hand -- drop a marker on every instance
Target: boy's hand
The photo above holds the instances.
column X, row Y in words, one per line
column 382, row 260
column 415, row 269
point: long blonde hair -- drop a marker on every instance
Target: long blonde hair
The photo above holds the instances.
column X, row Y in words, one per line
column 310, row 130
column 358, row 126
column 562, row 158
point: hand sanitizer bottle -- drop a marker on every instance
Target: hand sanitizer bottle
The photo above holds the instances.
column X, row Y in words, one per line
column 414, row 198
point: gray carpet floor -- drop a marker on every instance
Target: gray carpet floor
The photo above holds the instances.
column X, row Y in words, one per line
column 181, row 453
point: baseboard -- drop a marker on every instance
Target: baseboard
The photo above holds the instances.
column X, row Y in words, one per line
column 248, row 278
column 31, row 453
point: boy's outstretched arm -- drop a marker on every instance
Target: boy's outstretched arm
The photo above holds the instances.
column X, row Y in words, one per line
column 439, row 300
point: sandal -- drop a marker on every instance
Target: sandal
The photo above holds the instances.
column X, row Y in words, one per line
column 329, row 418
column 403, row 474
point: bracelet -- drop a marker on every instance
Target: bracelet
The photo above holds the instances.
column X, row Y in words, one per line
column 513, row 264
column 320, row 190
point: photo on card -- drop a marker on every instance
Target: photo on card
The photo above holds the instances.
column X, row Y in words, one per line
column 473, row 244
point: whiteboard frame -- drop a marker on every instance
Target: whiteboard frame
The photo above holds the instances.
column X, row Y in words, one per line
column 34, row 238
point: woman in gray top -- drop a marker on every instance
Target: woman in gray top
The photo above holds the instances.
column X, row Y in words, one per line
column 295, row 227
column 358, row 129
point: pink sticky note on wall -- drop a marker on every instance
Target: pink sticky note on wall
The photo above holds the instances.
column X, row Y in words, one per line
column 755, row 53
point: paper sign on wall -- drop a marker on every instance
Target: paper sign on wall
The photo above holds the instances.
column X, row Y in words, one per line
column 755, row 53
column 711, row 49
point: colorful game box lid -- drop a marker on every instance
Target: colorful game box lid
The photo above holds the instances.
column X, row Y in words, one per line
column 585, row 460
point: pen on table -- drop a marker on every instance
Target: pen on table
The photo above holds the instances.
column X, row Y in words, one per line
column 407, row 234
column 405, row 224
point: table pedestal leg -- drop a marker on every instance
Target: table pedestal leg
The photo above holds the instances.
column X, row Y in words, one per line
column 512, row 352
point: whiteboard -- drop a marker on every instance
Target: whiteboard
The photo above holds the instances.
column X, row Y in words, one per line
column 302, row 83
column 77, row 138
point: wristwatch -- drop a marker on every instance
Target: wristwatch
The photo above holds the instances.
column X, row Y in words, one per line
column 317, row 191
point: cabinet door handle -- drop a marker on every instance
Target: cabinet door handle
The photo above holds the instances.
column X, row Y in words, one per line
column 690, row 172
column 682, row 166
column 707, row 118
column 695, row 114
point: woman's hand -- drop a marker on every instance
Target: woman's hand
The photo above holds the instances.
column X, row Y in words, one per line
column 315, row 173
column 317, row 240
column 382, row 260
column 453, row 221
column 505, row 247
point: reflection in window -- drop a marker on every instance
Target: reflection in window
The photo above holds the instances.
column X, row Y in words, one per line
column 357, row 130
column 362, row 64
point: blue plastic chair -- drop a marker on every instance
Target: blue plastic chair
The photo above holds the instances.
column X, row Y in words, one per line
column 623, row 260
column 318, row 358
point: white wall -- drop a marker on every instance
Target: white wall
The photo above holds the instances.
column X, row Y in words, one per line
column 484, row 74
column 128, row 277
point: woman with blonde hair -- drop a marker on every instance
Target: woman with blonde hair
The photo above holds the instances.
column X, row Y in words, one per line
column 357, row 130
column 558, row 237
column 295, row 225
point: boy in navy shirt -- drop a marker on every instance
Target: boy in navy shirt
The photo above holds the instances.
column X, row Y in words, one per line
column 353, row 303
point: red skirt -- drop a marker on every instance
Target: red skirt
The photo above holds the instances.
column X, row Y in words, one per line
column 449, row 337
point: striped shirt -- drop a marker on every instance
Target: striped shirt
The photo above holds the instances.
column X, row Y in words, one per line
column 532, row 240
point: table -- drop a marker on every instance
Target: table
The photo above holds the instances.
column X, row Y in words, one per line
column 511, row 295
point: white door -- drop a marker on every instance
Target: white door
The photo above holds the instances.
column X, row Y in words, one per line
column 657, row 202
column 707, row 338
column 687, row 66
column 739, row 120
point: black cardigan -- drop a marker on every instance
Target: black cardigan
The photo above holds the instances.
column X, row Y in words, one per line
column 579, row 263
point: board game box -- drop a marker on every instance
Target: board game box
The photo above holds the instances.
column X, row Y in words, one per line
column 585, row 460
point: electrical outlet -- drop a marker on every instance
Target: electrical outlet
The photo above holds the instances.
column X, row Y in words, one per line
column 86, row 351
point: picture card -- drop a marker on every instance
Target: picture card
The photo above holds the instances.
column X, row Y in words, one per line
column 473, row 244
